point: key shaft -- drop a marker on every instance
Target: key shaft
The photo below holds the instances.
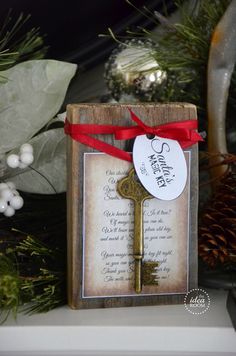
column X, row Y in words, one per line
column 131, row 188
column 138, row 245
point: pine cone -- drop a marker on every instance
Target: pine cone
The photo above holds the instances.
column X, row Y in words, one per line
column 217, row 231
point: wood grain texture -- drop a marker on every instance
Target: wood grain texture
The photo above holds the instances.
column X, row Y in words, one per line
column 117, row 114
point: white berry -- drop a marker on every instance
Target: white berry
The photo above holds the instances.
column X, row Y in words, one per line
column 9, row 211
column 27, row 158
column 11, row 185
column 13, row 161
column 22, row 165
column 3, row 186
column 6, row 194
column 16, row 202
column 15, row 192
column 26, row 148
column 3, row 205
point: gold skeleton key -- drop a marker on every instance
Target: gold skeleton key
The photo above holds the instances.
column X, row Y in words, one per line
column 131, row 188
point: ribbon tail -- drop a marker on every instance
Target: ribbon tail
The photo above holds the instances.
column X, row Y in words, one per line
column 196, row 137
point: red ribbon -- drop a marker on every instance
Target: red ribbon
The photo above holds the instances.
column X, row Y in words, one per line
column 182, row 131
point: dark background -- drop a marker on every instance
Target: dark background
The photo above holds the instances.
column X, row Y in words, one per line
column 71, row 27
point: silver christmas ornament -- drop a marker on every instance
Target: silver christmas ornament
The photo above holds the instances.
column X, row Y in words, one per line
column 132, row 71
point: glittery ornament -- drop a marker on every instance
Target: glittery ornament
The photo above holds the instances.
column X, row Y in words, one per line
column 133, row 71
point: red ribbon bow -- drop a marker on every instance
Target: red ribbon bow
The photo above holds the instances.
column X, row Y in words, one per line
column 182, row 131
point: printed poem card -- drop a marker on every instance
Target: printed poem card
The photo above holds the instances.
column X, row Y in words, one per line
column 108, row 227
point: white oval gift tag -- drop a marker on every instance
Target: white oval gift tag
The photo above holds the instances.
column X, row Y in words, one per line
column 160, row 165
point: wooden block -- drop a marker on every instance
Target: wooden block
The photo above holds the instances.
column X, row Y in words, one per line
column 117, row 114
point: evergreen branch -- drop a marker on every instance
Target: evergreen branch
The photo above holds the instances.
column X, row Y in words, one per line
column 25, row 285
column 34, row 247
column 9, row 288
column 15, row 49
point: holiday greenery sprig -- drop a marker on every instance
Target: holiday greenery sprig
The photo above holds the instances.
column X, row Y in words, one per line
column 16, row 48
column 183, row 51
column 32, row 275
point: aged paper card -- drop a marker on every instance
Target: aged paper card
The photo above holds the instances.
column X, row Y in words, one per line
column 108, row 233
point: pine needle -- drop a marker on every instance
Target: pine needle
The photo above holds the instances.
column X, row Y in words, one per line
column 15, row 49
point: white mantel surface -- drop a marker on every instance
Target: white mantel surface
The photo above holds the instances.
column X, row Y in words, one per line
column 168, row 330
